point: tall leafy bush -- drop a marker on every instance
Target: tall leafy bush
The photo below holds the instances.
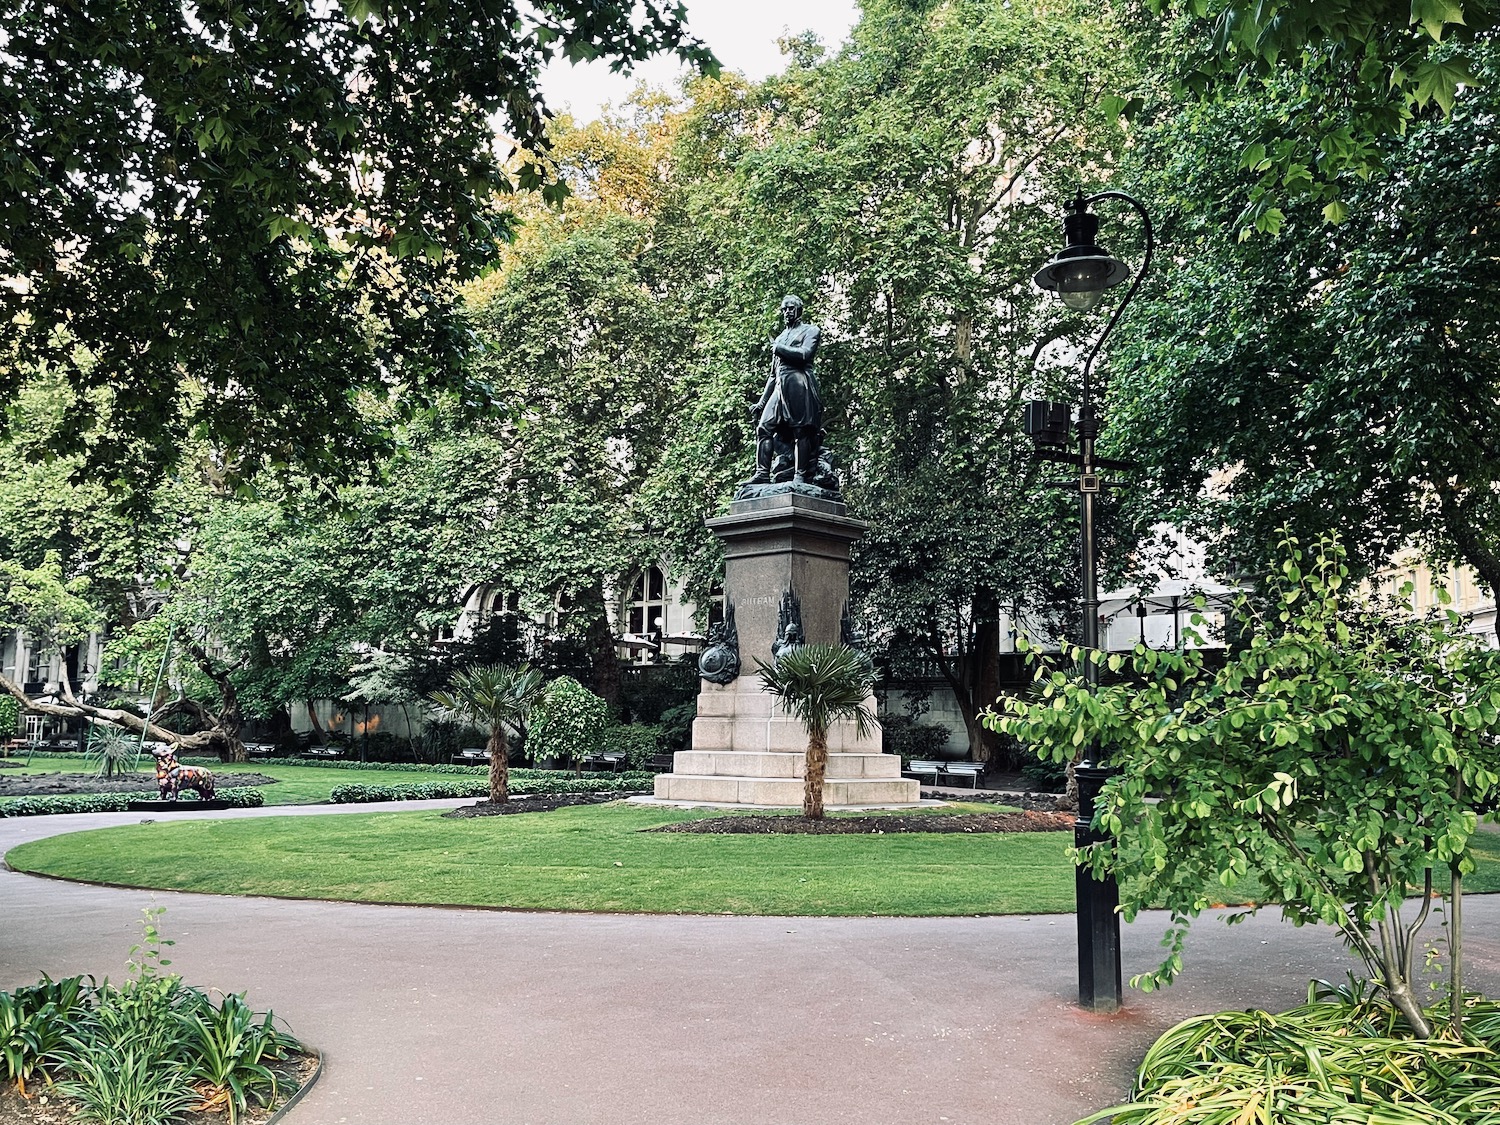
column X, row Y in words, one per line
column 1341, row 757
column 568, row 723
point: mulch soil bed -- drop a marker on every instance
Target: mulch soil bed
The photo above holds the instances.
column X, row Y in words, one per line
column 45, row 1106
column 57, row 784
column 538, row 803
column 867, row 825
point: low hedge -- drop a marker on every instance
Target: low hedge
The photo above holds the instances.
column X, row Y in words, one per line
column 520, row 787
column 242, row 797
column 342, row 764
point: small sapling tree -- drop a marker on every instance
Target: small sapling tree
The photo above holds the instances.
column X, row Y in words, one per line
column 490, row 696
column 818, row 685
column 570, row 723
column 1341, row 757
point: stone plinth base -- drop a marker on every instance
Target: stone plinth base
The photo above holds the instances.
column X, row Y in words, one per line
column 745, row 752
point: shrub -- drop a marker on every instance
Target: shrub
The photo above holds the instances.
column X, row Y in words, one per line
column 116, row 751
column 131, row 1054
column 677, row 726
column 1045, row 775
column 1339, row 1057
column 568, row 723
column 10, row 717
column 240, row 797
column 912, row 739
column 639, row 742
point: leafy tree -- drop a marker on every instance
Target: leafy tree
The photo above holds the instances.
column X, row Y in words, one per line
column 579, row 343
column 1341, row 758
column 1368, row 71
column 492, row 696
column 905, row 188
column 819, row 685
column 256, row 206
column 569, row 723
column 1339, row 374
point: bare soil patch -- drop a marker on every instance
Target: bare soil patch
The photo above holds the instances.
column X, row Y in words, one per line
column 56, row 784
column 876, row 825
column 45, row 1106
column 537, row 803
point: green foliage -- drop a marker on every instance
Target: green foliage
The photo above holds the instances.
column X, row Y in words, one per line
column 520, row 787
column 1296, row 359
column 820, row 684
column 909, row 738
column 877, row 184
column 10, row 717
column 238, row 798
column 232, row 1044
column 116, row 751
column 277, row 199
column 1045, row 775
column 490, row 696
column 125, row 1083
column 639, row 742
column 569, row 722
column 1339, row 757
column 35, row 1021
column 677, row 726
column 1366, row 73
column 52, row 610
column 1340, row 1057
column 130, row 1054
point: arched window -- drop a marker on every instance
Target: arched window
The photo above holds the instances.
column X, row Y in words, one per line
column 648, row 603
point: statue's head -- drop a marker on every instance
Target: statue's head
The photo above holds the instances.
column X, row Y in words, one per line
column 791, row 310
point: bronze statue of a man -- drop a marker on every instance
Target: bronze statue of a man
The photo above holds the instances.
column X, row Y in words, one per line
column 789, row 426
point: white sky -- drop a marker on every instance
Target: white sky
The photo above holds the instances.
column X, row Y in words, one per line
column 742, row 34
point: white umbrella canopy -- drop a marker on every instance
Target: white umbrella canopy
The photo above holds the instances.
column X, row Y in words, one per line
column 1168, row 595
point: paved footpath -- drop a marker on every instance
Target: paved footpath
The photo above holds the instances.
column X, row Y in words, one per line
column 432, row 1016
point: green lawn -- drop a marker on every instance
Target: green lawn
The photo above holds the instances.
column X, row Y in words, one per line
column 586, row 858
column 296, row 784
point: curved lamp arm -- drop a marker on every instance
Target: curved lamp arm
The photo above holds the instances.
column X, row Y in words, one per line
column 1134, row 285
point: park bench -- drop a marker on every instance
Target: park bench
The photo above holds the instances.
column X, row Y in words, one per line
column 971, row 770
column 923, row 769
column 474, row 756
column 942, row 771
column 323, row 752
column 613, row 760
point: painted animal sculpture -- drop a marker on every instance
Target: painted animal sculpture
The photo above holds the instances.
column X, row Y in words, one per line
column 172, row 776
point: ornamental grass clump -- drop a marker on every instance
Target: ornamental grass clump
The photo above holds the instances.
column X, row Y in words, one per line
column 1342, row 757
column 1344, row 1056
column 145, row 1051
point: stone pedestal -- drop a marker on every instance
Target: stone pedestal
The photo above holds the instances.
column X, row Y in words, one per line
column 745, row 751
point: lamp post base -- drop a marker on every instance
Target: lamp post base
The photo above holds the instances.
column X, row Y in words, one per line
column 1099, row 978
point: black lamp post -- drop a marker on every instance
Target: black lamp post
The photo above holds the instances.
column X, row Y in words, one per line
column 1079, row 274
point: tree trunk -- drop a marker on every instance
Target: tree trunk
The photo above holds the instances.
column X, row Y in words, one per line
column 813, row 771
column 125, row 720
column 312, row 717
column 499, row 766
column 599, row 639
column 230, row 720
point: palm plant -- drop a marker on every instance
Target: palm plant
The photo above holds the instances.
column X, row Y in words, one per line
column 117, row 752
column 490, row 696
column 819, row 685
